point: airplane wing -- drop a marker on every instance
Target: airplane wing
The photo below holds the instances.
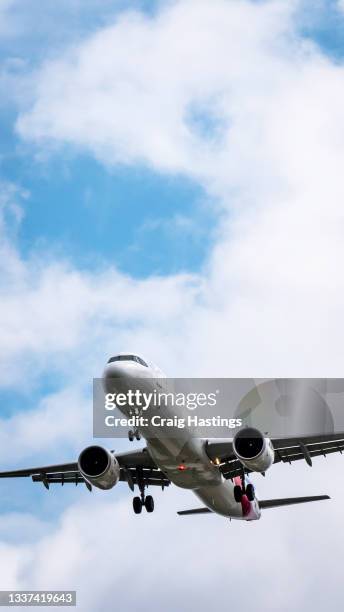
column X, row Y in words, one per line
column 136, row 466
column 287, row 450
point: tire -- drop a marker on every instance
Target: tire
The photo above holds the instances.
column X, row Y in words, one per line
column 131, row 435
column 250, row 492
column 137, row 435
column 237, row 494
column 137, row 505
column 149, row 503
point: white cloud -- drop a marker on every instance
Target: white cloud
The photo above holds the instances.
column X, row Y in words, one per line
column 49, row 309
column 131, row 93
column 60, row 310
column 61, row 422
column 127, row 92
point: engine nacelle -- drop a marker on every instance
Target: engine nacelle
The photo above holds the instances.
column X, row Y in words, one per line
column 253, row 450
column 99, row 467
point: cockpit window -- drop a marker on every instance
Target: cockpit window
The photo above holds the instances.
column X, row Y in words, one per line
column 139, row 360
column 128, row 358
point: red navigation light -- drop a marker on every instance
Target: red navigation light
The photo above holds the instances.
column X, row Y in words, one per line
column 182, row 467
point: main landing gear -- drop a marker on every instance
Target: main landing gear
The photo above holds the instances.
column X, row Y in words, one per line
column 248, row 490
column 138, row 503
column 144, row 500
column 239, row 492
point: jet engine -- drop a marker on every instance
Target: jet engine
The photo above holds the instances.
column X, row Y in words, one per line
column 253, row 450
column 99, row 467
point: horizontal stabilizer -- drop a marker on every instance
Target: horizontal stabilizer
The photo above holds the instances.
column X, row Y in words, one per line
column 265, row 503
column 194, row 511
column 288, row 501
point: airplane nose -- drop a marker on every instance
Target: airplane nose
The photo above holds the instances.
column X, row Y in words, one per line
column 117, row 375
column 113, row 377
column 115, row 370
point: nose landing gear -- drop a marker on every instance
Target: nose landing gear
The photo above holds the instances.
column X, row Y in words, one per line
column 132, row 435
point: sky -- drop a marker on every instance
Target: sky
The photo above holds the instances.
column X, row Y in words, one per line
column 171, row 184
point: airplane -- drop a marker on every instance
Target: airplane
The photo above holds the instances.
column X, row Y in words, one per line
column 216, row 470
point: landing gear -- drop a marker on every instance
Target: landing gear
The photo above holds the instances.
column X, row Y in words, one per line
column 137, row 505
column 240, row 490
column 238, row 493
column 250, row 492
column 149, row 503
column 134, row 434
column 143, row 500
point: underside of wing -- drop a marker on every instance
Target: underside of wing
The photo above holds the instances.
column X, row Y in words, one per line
column 62, row 473
column 307, row 447
column 136, row 467
column 286, row 450
column 47, row 469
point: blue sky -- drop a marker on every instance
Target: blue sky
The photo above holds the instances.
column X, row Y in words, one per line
column 141, row 222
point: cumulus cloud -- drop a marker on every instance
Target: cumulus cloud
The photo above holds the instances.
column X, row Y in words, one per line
column 232, row 95
column 227, row 92
column 140, row 89
column 61, row 420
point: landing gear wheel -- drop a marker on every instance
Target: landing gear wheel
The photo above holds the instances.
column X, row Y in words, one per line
column 137, row 505
column 137, row 435
column 131, row 435
column 149, row 503
column 250, row 492
column 237, row 494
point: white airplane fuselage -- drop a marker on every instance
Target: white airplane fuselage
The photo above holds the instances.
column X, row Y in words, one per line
column 182, row 457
